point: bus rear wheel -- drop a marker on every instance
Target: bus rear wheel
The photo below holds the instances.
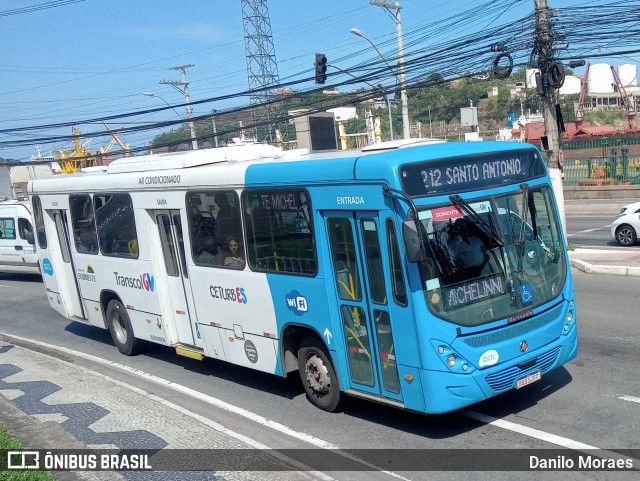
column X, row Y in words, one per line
column 121, row 330
column 318, row 376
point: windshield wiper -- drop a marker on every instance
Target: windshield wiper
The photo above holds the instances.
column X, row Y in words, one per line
column 520, row 241
column 488, row 228
column 525, row 214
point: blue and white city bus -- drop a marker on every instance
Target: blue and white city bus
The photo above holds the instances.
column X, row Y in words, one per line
column 427, row 276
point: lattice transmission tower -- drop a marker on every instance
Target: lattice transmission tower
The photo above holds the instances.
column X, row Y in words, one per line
column 262, row 67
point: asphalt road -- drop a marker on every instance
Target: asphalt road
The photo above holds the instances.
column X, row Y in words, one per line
column 588, row 222
column 594, row 400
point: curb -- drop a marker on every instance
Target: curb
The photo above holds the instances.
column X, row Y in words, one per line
column 602, row 269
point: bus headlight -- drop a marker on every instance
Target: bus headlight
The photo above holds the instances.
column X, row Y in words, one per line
column 570, row 317
column 452, row 359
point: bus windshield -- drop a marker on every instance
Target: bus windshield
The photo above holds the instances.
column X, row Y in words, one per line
column 492, row 258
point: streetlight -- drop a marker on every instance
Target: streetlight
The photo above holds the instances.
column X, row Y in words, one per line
column 151, row 94
column 375, row 88
column 359, row 33
column 400, row 80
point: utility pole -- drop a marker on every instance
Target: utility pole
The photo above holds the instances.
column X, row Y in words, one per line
column 213, row 124
column 403, row 87
column 185, row 86
column 546, row 82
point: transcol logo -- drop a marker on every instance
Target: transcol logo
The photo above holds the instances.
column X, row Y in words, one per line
column 144, row 282
column 297, row 303
column 47, row 267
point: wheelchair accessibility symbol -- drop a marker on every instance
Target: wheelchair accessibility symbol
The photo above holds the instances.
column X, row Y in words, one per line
column 526, row 293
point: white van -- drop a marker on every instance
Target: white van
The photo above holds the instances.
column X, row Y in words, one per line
column 17, row 248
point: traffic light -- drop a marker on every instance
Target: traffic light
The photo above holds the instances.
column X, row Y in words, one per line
column 498, row 47
column 321, row 68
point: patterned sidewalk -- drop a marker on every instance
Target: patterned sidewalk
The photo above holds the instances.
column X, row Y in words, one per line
column 100, row 413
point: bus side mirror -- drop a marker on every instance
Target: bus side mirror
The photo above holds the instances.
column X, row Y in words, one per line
column 412, row 244
column 30, row 239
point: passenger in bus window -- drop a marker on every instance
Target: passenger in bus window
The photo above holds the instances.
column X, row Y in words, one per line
column 80, row 247
column 209, row 253
column 234, row 253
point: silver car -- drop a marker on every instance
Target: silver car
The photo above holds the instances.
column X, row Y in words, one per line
column 626, row 226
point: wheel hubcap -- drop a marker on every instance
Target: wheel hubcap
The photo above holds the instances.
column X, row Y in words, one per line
column 624, row 236
column 317, row 374
column 119, row 329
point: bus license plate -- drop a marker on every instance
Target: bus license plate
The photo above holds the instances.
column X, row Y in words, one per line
column 528, row 380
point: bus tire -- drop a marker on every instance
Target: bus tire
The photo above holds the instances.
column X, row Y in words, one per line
column 121, row 330
column 318, row 375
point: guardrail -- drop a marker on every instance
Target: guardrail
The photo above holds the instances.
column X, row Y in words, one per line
column 613, row 167
column 599, row 171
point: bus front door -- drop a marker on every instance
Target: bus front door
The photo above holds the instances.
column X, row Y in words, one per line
column 361, row 276
column 178, row 285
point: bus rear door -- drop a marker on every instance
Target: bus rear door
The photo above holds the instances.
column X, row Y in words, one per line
column 362, row 285
column 173, row 262
column 64, row 268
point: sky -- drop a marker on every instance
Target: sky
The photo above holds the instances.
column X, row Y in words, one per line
column 93, row 58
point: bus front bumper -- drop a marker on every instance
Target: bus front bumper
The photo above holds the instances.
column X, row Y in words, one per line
column 446, row 391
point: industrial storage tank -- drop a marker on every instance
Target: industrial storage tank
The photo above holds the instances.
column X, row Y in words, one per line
column 628, row 75
column 600, row 79
column 571, row 85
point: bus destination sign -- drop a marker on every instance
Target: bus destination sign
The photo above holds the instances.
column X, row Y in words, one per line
column 460, row 174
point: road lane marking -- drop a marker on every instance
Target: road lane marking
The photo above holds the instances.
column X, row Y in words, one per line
column 547, row 437
column 2, row 285
column 531, row 432
column 629, row 398
column 589, row 230
column 308, row 438
column 625, row 397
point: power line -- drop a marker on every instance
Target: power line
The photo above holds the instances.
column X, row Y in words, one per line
column 458, row 58
column 38, row 7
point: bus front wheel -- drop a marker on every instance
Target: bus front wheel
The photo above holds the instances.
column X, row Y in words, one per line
column 318, row 375
column 121, row 330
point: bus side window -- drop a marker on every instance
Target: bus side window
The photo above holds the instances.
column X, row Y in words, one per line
column 228, row 216
column 373, row 261
column 214, row 218
column 39, row 221
column 279, row 231
column 397, row 278
column 117, row 226
column 84, row 225
column 344, row 258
